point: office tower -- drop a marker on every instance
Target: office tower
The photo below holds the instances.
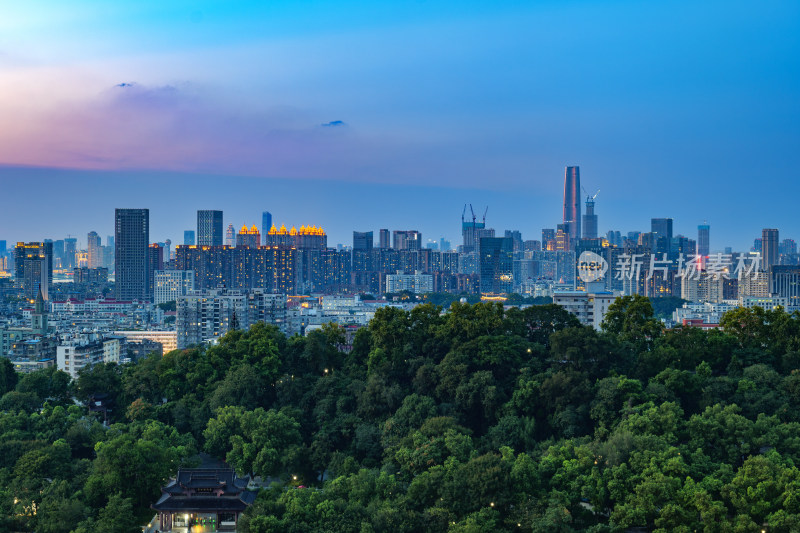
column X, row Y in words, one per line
column 132, row 238
column 756, row 245
column 209, row 228
column 155, row 262
column 788, row 247
column 703, row 239
column 58, row 253
column 266, row 224
column 406, row 240
column 230, row 236
column 33, row 268
column 362, row 240
column 70, row 247
column 248, row 237
column 769, row 247
column 3, row 248
column 516, row 238
column 109, row 241
column 662, row 227
column 563, row 240
column 93, row 246
column 784, row 281
column 496, row 265
column 444, row 245
column 383, row 239
column 188, row 237
column 548, row 235
column 572, row 201
column 590, row 219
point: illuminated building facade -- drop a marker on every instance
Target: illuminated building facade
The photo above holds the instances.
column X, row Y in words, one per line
column 33, row 268
column 306, row 238
column 496, row 265
column 248, row 237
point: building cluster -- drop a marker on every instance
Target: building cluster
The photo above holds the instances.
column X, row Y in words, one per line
column 219, row 279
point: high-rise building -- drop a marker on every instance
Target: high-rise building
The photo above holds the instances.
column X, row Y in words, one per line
column 496, row 265
column 548, row 235
column 788, row 247
column 131, row 258
column 590, row 219
column 33, row 268
column 169, row 285
column 70, row 247
column 362, row 240
column 471, row 231
column 383, row 239
column 662, row 227
column 572, row 201
column 230, row 236
column 248, row 237
column 703, row 239
column 266, row 223
column 406, row 240
column 188, row 237
column 209, row 228
column 94, row 247
column 769, row 247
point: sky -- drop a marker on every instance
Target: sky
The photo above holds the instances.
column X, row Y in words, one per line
column 356, row 115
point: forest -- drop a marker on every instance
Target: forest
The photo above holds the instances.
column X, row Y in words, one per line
column 475, row 419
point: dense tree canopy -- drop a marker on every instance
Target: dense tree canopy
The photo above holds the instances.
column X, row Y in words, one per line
column 475, row 419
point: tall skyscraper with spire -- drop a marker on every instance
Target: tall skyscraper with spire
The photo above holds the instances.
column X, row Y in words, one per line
column 572, row 201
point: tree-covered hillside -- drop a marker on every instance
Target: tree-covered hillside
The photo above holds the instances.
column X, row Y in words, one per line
column 478, row 419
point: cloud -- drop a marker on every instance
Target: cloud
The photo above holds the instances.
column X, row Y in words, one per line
column 333, row 124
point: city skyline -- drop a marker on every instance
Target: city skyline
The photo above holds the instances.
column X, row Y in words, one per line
column 507, row 210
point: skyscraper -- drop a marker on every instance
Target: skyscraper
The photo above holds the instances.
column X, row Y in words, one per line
column 703, row 239
column 70, row 247
column 209, row 228
column 188, row 237
column 590, row 219
column 33, row 267
column 383, row 239
column 662, row 227
column 496, row 265
column 230, row 236
column 572, row 201
column 769, row 247
column 94, row 246
column 362, row 240
column 266, row 224
column 407, row 240
column 131, row 239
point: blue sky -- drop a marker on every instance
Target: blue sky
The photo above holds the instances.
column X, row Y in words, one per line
column 682, row 109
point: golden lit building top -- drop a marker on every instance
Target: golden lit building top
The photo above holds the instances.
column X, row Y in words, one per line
column 304, row 230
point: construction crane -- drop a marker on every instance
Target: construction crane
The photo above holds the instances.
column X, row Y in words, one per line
column 484, row 215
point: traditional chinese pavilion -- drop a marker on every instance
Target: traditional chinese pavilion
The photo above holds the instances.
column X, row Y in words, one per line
column 211, row 497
